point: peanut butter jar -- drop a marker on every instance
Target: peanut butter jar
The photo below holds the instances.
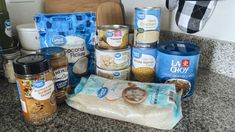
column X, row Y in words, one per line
column 59, row 64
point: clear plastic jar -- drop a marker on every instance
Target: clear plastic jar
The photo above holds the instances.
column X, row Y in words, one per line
column 8, row 59
column 35, row 83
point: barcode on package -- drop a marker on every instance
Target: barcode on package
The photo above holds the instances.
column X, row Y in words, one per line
column 23, row 105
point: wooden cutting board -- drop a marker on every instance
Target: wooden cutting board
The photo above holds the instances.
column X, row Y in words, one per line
column 108, row 11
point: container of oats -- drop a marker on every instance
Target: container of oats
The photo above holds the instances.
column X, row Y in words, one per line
column 113, row 36
column 123, row 74
column 143, row 64
column 35, row 83
column 112, row 59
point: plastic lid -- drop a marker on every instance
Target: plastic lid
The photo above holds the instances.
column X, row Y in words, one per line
column 52, row 52
column 178, row 48
column 26, row 27
column 30, row 64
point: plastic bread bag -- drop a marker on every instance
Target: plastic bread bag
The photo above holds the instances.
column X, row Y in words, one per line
column 76, row 33
column 148, row 104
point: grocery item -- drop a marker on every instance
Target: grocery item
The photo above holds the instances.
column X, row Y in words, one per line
column 148, row 104
column 143, row 64
column 34, row 80
column 28, row 36
column 123, row 74
column 113, row 59
column 8, row 58
column 146, row 27
column 113, row 36
column 177, row 63
column 59, row 65
column 76, row 34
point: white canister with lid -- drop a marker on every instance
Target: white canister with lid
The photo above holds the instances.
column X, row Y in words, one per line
column 28, row 36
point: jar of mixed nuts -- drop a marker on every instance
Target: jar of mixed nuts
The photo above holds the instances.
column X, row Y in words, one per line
column 34, row 80
column 59, row 65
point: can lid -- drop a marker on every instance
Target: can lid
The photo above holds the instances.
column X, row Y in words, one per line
column 30, row 64
column 113, row 27
column 52, row 52
column 147, row 8
column 178, row 48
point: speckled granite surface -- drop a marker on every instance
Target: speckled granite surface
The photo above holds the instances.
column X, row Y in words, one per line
column 217, row 56
column 211, row 109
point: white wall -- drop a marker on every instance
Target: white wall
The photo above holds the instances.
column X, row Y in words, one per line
column 221, row 25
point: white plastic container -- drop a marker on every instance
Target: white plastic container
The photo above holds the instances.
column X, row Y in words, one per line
column 28, row 36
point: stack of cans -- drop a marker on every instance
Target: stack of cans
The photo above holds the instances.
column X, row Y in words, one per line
column 146, row 38
column 113, row 54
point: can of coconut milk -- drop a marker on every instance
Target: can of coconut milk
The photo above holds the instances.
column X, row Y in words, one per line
column 177, row 63
column 146, row 27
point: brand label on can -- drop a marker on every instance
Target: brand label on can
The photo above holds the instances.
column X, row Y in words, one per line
column 143, row 64
column 147, row 19
column 114, row 38
column 116, row 74
column 113, row 60
column 180, row 70
column 143, row 58
column 146, row 27
column 61, row 77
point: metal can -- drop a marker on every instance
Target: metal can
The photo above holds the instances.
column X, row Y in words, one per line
column 123, row 74
column 177, row 63
column 113, row 36
column 143, row 64
column 146, row 27
column 59, row 65
column 112, row 59
column 34, row 80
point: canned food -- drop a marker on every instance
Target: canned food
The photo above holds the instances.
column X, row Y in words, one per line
column 143, row 64
column 146, row 27
column 113, row 36
column 34, row 80
column 112, row 59
column 177, row 63
column 123, row 74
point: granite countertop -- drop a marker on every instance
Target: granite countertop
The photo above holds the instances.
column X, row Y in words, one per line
column 211, row 109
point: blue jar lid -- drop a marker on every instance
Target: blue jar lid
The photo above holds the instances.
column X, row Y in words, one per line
column 52, row 52
column 180, row 48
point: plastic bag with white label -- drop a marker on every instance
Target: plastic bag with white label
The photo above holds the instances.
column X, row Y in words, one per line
column 148, row 104
column 76, row 33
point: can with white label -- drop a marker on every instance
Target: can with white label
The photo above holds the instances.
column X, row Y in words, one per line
column 123, row 74
column 177, row 63
column 143, row 64
column 113, row 36
column 112, row 59
column 146, row 27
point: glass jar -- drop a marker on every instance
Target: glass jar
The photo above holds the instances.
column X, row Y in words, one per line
column 34, row 80
column 8, row 58
column 59, row 65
